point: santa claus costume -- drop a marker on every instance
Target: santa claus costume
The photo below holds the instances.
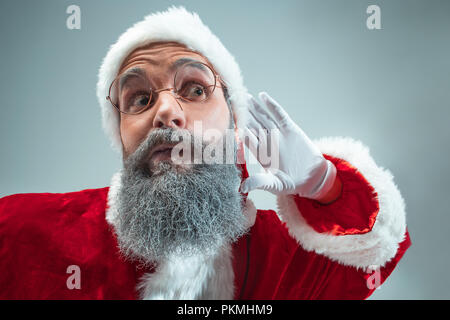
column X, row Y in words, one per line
column 305, row 250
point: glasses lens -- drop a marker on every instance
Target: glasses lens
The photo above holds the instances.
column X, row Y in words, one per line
column 194, row 82
column 131, row 93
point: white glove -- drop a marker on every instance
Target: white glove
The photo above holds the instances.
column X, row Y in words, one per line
column 301, row 167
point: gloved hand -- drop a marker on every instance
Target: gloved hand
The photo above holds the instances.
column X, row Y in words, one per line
column 301, row 167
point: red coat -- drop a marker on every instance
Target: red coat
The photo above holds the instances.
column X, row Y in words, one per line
column 317, row 252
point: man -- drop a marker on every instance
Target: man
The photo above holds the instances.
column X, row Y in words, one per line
column 172, row 226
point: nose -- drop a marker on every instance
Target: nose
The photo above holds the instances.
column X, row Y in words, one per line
column 168, row 112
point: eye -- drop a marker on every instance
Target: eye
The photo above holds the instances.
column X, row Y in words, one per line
column 194, row 91
column 198, row 91
column 137, row 102
column 141, row 100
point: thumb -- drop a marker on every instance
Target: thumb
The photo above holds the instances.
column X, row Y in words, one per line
column 262, row 181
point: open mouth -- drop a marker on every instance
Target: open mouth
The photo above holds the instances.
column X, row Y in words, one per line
column 161, row 152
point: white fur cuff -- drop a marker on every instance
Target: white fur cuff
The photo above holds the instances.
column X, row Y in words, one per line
column 373, row 248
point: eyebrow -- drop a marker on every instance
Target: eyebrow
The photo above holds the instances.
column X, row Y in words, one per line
column 141, row 72
column 182, row 61
column 129, row 74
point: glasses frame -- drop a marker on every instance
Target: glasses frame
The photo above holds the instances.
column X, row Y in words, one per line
column 177, row 97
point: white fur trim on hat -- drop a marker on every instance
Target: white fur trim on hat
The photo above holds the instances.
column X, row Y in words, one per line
column 179, row 25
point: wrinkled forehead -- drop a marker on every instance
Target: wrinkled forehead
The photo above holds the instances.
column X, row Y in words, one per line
column 161, row 55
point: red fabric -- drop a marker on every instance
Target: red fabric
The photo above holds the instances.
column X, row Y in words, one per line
column 42, row 234
column 354, row 212
column 281, row 269
column 291, row 272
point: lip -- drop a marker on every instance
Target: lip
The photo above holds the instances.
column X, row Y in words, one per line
column 161, row 151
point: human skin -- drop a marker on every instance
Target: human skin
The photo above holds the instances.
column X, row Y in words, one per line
column 155, row 59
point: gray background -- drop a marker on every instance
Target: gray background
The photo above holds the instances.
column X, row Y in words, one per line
column 388, row 88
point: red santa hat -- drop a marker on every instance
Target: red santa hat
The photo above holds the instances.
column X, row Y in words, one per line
column 179, row 25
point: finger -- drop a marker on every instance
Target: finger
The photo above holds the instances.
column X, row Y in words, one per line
column 274, row 107
column 253, row 123
column 257, row 144
column 261, row 115
column 260, row 107
column 261, row 181
column 264, row 121
column 251, row 141
column 255, row 130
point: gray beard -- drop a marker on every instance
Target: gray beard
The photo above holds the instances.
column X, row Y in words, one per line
column 171, row 210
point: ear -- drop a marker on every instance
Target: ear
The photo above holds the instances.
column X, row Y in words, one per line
column 240, row 152
column 234, row 120
column 124, row 151
column 236, row 131
column 240, row 146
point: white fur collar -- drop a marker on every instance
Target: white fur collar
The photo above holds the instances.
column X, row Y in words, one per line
column 199, row 277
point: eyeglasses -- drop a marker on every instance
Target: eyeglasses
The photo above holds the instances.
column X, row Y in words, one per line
column 193, row 82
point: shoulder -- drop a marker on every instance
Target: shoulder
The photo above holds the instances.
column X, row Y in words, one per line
column 50, row 206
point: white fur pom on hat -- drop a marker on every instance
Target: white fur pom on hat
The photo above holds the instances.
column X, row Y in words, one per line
column 179, row 25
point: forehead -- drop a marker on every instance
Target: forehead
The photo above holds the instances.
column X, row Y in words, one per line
column 160, row 55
